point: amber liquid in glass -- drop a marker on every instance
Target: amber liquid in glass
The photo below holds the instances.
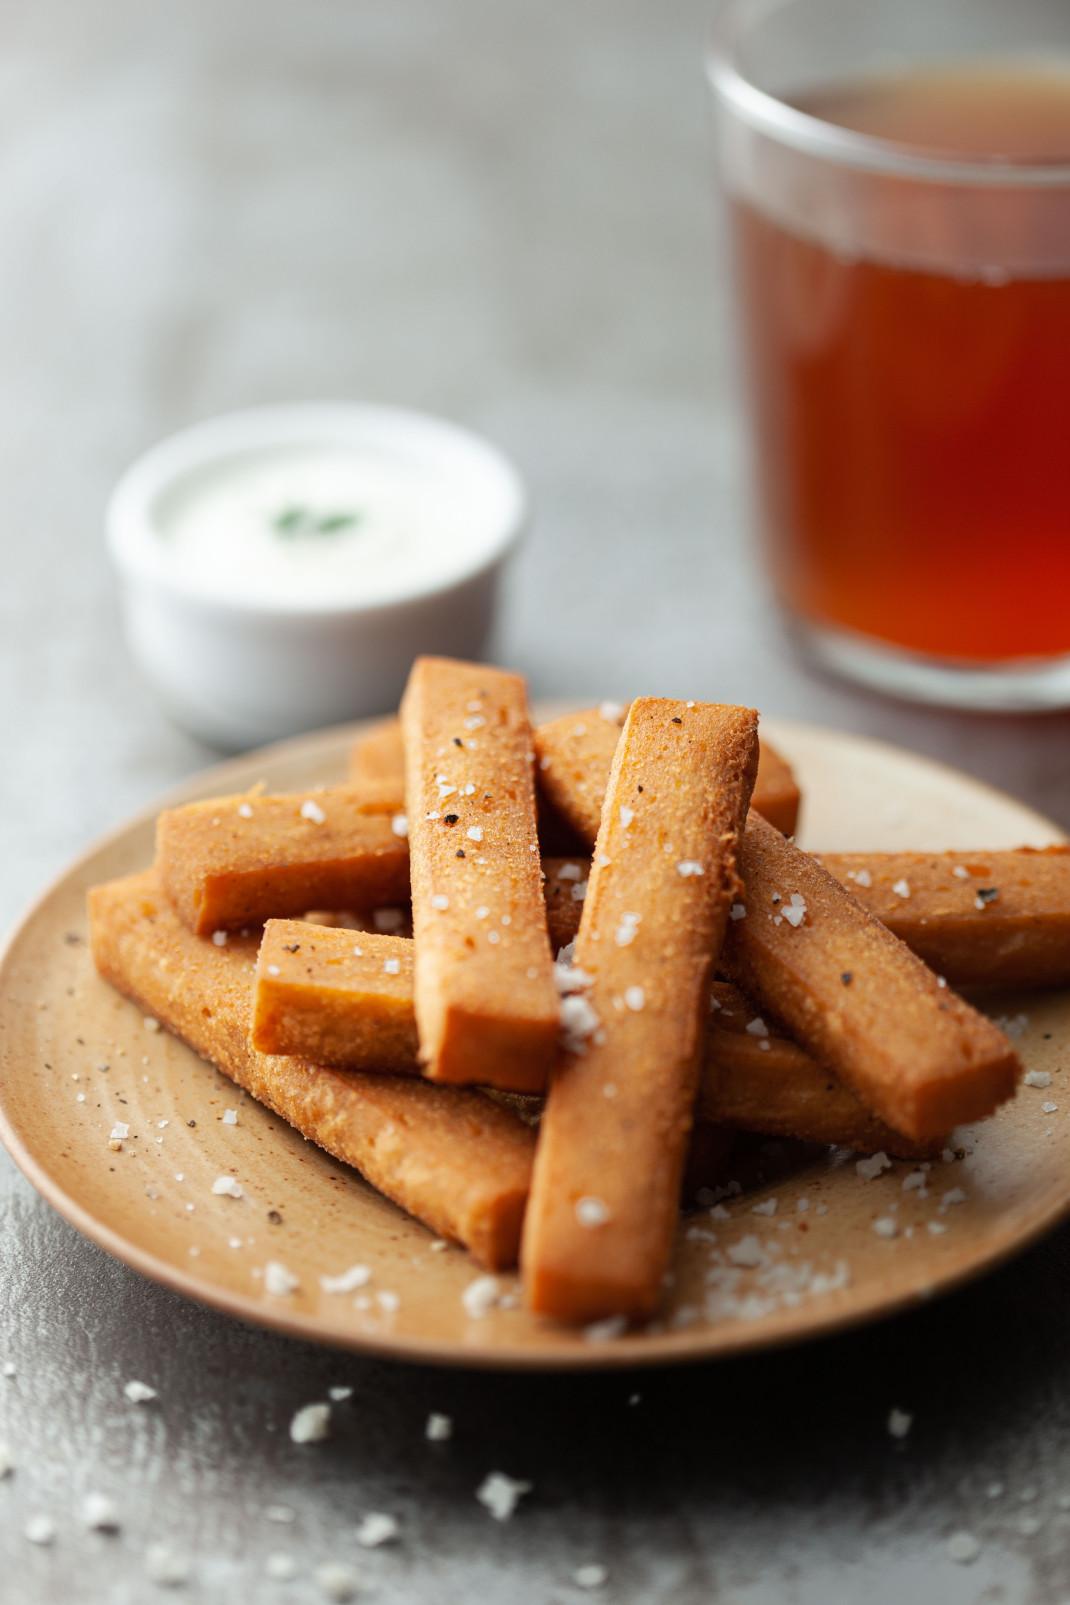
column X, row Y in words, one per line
column 913, row 426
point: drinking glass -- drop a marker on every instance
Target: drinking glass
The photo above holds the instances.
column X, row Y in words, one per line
column 897, row 179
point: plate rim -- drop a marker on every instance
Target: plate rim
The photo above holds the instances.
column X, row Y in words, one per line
column 627, row 1353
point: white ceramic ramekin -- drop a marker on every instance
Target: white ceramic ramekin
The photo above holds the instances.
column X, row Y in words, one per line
column 240, row 672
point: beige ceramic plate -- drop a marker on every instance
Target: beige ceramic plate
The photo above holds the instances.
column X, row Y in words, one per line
column 75, row 1058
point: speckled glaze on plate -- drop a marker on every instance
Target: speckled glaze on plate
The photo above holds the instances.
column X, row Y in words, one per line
column 152, row 1205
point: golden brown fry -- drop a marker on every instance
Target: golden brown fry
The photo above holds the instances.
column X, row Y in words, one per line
column 336, row 997
column 377, row 766
column 486, row 1005
column 452, row 1158
column 978, row 919
column 853, row 994
column 1021, row 937
column 606, row 1185
column 339, row 1007
column 232, row 862
column 564, row 889
column 574, row 753
column 756, row 1079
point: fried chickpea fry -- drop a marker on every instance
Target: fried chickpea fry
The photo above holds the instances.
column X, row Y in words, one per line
column 486, row 1004
column 450, row 1157
column 756, row 1079
column 232, row 862
column 848, row 990
column 335, row 1004
column 574, row 753
column 978, row 919
column 606, row 1185
column 336, row 996
column 377, row 766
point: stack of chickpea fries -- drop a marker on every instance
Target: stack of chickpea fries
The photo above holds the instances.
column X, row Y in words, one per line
column 516, row 976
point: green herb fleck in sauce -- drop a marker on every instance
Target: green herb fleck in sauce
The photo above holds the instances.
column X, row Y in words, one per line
column 296, row 520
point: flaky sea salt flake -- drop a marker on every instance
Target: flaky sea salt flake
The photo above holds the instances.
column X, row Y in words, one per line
column 500, row 1494
column 311, row 1424
column 377, row 1528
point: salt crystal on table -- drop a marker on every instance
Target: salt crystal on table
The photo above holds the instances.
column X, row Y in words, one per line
column 963, row 1547
column 439, row 1427
column 899, row 1423
column 593, row 1576
column 99, row 1512
column 376, row 1528
column 500, row 1494
column 311, row 1424
column 40, row 1529
column 481, row 1296
column 869, row 1169
column 278, row 1280
column 348, row 1281
column 139, row 1392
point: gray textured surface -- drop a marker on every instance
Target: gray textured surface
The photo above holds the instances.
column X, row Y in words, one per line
column 503, row 212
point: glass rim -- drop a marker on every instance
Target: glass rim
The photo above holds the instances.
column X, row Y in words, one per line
column 802, row 131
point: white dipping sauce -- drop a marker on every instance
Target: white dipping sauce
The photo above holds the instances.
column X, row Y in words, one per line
column 320, row 525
